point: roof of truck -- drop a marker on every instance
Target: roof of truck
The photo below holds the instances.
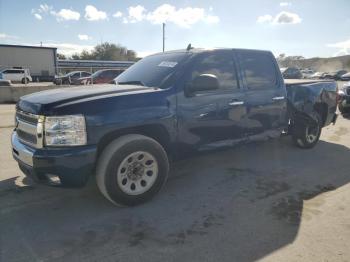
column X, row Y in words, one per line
column 200, row 50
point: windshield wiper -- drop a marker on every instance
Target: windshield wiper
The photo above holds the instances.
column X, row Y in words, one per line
column 136, row 82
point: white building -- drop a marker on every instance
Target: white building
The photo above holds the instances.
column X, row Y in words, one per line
column 41, row 61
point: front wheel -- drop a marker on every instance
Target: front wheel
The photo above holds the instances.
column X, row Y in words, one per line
column 131, row 170
column 343, row 110
column 306, row 135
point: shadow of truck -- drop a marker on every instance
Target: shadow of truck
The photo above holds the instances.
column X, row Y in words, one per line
column 237, row 205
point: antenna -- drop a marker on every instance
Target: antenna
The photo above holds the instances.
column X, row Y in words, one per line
column 163, row 37
column 189, row 47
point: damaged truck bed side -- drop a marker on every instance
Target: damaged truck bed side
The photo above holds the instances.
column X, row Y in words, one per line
column 308, row 103
column 162, row 106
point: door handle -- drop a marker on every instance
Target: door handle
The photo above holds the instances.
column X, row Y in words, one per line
column 276, row 98
column 236, row 103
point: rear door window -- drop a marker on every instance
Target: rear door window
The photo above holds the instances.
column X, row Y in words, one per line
column 258, row 69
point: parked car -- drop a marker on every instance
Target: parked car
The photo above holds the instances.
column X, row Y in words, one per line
column 104, row 76
column 317, row 75
column 335, row 75
column 161, row 107
column 345, row 77
column 344, row 99
column 16, row 75
column 70, row 77
column 291, row 73
column 307, row 73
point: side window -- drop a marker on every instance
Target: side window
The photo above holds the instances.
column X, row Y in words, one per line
column 219, row 64
column 115, row 73
column 83, row 74
column 104, row 74
column 259, row 70
column 16, row 71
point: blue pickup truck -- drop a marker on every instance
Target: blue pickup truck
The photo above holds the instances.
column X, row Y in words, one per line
column 165, row 105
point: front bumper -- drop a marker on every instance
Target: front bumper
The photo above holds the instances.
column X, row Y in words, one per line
column 72, row 165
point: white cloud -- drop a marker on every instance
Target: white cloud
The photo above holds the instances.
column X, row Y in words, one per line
column 68, row 49
column 265, row 18
column 281, row 18
column 92, row 14
column 184, row 17
column 38, row 16
column 118, row 14
column 6, row 36
column 84, row 37
column 66, row 15
column 62, row 15
column 44, row 8
column 287, row 18
column 136, row 13
column 343, row 47
column 285, row 4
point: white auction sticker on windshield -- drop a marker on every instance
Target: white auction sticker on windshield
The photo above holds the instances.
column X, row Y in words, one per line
column 168, row 64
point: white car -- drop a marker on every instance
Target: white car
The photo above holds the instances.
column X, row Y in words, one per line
column 307, row 73
column 16, row 75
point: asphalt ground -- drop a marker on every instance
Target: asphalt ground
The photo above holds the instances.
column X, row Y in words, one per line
column 267, row 201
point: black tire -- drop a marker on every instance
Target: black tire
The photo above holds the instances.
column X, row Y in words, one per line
column 302, row 131
column 343, row 110
column 111, row 160
column 25, row 80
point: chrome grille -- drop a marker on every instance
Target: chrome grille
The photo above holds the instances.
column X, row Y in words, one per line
column 29, row 128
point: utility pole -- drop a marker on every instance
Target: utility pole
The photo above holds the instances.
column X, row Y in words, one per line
column 163, row 37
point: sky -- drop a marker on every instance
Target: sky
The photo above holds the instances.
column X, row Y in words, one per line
column 301, row 27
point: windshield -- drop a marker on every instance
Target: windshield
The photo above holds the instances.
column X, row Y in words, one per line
column 283, row 69
column 152, row 71
column 97, row 73
column 71, row 73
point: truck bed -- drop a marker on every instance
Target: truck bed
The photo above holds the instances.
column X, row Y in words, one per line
column 306, row 96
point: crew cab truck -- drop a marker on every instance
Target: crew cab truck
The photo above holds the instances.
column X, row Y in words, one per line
column 162, row 106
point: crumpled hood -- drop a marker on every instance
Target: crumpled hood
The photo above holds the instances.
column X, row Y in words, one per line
column 35, row 103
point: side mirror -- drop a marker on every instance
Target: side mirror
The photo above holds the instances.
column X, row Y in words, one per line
column 203, row 82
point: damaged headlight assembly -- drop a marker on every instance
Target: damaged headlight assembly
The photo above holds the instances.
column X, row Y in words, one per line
column 65, row 130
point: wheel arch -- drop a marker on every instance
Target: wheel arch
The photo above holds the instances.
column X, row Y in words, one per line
column 322, row 109
column 155, row 131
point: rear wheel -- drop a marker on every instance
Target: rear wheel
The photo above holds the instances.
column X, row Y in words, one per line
column 25, row 80
column 131, row 170
column 306, row 134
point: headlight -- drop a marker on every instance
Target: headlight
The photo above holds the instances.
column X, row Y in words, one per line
column 341, row 92
column 65, row 130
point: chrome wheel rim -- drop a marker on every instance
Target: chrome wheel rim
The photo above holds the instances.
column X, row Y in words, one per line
column 137, row 173
column 312, row 134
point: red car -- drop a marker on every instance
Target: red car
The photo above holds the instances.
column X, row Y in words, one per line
column 104, row 76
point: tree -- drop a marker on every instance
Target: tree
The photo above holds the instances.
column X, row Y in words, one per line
column 85, row 55
column 107, row 51
column 61, row 56
column 76, row 56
